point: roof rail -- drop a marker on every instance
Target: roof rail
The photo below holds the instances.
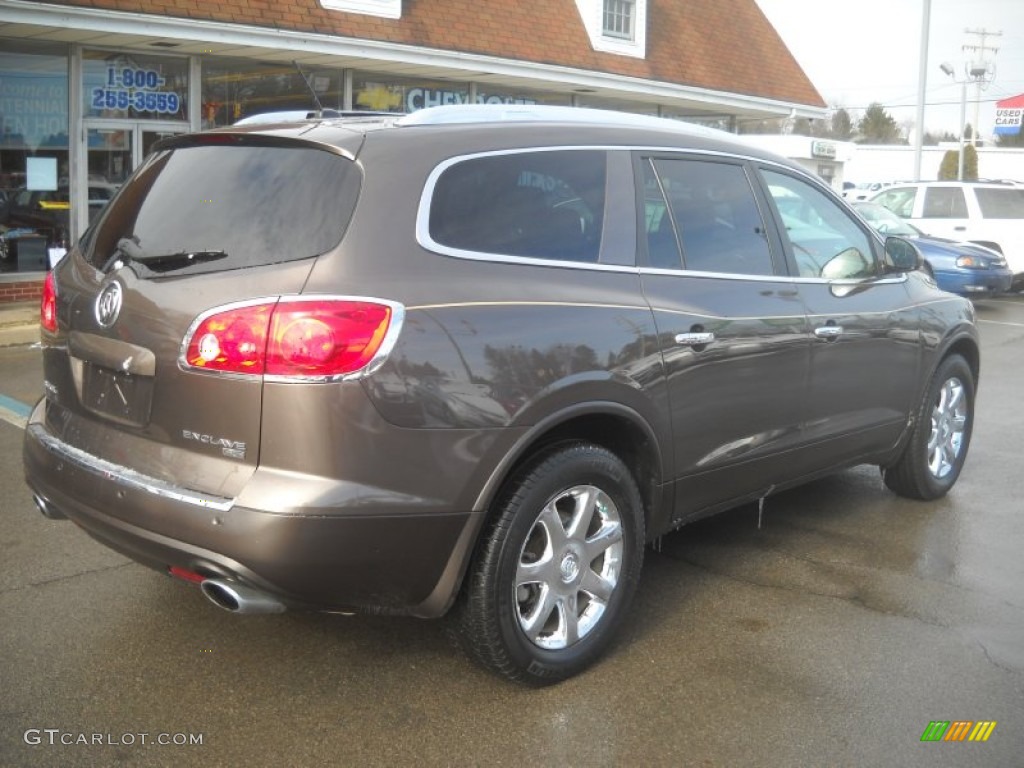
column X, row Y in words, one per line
column 455, row 114
column 294, row 115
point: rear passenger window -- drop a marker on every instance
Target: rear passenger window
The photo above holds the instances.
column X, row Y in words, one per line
column 543, row 205
column 944, row 203
column 707, row 211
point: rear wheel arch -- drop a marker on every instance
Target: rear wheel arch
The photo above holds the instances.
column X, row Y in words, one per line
column 613, row 426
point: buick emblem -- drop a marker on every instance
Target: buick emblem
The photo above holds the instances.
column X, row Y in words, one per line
column 108, row 304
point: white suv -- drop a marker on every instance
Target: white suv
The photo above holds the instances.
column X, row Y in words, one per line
column 987, row 213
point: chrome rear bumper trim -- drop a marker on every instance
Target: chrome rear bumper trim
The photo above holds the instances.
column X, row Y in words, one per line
column 123, row 475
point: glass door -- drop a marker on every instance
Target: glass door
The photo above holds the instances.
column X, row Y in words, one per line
column 110, row 158
column 113, row 149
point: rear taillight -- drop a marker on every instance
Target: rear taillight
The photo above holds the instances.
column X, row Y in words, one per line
column 48, row 304
column 291, row 338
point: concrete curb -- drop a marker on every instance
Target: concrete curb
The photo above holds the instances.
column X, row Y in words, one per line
column 19, row 324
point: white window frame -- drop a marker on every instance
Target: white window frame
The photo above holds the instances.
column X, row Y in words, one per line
column 592, row 14
column 622, row 13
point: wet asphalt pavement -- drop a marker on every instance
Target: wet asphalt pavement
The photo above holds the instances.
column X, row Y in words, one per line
column 833, row 636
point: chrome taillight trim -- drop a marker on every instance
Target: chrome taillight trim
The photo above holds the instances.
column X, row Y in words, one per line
column 390, row 338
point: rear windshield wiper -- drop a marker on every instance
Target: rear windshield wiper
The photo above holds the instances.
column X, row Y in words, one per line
column 129, row 251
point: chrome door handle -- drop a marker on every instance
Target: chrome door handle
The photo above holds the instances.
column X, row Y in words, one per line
column 695, row 339
column 829, row 332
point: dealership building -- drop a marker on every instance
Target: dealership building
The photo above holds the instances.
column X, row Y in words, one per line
column 87, row 86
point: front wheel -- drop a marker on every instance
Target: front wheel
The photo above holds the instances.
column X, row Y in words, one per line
column 935, row 454
column 557, row 568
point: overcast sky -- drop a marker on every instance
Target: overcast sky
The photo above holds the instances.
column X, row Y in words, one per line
column 861, row 51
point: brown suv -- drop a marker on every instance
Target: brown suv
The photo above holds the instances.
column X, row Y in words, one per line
column 474, row 359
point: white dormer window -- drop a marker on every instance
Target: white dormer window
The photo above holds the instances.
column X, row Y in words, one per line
column 616, row 26
column 618, row 18
column 388, row 9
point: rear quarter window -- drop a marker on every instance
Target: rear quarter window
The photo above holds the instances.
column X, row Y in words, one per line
column 1000, row 203
column 258, row 204
column 542, row 205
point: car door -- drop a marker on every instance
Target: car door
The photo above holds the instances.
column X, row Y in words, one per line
column 731, row 328
column 865, row 349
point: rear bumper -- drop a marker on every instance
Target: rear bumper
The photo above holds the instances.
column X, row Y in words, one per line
column 376, row 558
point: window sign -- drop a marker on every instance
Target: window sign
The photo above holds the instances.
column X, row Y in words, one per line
column 135, row 87
column 33, row 102
column 41, row 173
column 382, row 95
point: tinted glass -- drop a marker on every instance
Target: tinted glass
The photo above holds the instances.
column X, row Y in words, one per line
column 1000, row 203
column 944, row 203
column 826, row 240
column 257, row 204
column 714, row 214
column 662, row 242
column 544, row 205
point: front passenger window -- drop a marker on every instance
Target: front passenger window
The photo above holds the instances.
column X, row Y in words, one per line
column 826, row 241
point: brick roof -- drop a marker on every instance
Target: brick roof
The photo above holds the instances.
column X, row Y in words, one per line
column 721, row 45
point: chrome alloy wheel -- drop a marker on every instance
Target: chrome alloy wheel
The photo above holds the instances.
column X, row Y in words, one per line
column 949, row 420
column 569, row 567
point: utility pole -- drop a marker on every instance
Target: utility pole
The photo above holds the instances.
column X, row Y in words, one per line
column 978, row 70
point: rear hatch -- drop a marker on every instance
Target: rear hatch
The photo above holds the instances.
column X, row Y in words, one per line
column 207, row 224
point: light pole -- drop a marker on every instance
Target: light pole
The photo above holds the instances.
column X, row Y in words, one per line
column 948, row 70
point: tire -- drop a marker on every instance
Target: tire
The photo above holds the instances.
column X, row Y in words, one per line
column 935, row 454
column 557, row 568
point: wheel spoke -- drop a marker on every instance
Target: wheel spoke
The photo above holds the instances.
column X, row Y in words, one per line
column 568, row 621
column 609, row 534
column 534, row 622
column 542, row 570
column 586, row 502
column 551, row 522
column 597, row 587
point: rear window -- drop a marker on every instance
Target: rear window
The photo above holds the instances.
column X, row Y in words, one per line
column 543, row 205
column 250, row 204
column 1000, row 203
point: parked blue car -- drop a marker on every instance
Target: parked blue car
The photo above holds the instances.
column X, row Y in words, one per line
column 964, row 268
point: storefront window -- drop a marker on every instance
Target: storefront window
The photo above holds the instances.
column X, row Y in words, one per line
column 34, row 205
column 486, row 94
column 237, row 88
column 617, row 105
column 134, row 86
column 383, row 93
column 379, row 92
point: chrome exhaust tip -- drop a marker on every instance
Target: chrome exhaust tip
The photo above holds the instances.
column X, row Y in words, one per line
column 237, row 598
column 46, row 508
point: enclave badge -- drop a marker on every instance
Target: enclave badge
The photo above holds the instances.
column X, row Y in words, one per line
column 108, row 304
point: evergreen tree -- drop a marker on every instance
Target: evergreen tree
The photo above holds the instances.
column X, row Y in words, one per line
column 879, row 127
column 842, row 125
column 950, row 165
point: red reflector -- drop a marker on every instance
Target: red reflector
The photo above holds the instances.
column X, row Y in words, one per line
column 233, row 341
column 48, row 304
column 184, row 575
column 305, row 338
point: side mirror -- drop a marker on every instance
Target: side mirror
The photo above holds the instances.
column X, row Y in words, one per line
column 847, row 264
column 901, row 255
